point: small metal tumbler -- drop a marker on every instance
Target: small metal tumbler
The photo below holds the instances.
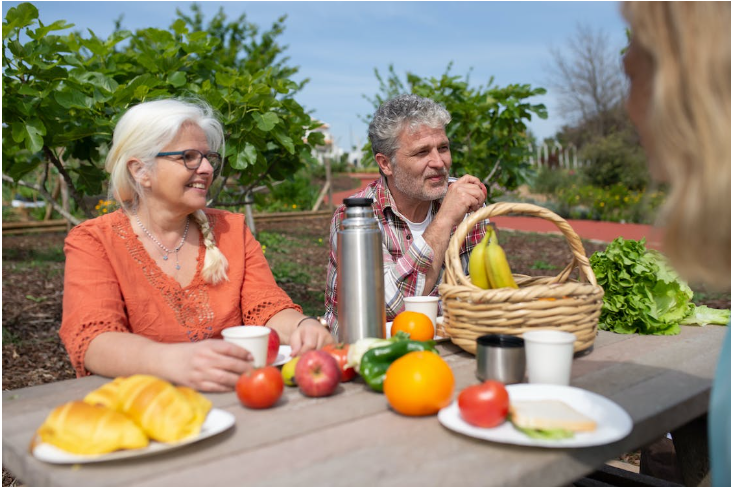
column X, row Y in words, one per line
column 501, row 357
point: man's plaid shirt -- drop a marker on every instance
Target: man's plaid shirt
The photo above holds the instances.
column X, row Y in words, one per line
column 405, row 261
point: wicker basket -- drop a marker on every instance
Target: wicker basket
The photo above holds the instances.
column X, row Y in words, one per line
column 540, row 302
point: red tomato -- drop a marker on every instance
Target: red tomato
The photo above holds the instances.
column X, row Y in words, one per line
column 339, row 352
column 484, row 405
column 260, row 388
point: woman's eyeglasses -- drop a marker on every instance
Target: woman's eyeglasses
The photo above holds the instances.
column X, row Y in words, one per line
column 192, row 158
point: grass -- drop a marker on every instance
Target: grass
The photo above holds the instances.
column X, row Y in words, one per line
column 10, row 338
column 289, row 272
column 51, row 269
column 35, row 256
column 542, row 265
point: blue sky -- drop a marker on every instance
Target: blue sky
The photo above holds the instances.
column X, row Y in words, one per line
column 339, row 44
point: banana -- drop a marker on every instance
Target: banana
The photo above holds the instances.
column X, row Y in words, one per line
column 477, row 270
column 495, row 263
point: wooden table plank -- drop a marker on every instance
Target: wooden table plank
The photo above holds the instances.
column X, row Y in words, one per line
column 352, row 438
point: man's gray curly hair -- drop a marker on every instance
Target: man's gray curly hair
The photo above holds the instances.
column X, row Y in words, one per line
column 407, row 110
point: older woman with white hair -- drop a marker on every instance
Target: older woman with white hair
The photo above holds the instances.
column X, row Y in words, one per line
column 149, row 288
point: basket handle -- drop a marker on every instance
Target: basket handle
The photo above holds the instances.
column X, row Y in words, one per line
column 580, row 260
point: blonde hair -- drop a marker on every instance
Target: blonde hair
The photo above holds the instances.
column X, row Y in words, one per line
column 140, row 134
column 689, row 120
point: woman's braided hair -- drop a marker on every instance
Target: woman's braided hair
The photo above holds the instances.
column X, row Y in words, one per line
column 215, row 263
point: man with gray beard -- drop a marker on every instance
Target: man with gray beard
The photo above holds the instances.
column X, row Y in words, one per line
column 416, row 203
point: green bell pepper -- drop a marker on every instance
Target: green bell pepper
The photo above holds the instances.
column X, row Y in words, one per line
column 375, row 361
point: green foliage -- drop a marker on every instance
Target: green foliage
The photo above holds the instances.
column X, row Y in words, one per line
column 295, row 193
column 542, row 265
column 615, row 203
column 616, row 159
column 290, row 272
column 63, row 94
column 549, row 180
column 488, row 127
column 573, row 196
column 10, row 337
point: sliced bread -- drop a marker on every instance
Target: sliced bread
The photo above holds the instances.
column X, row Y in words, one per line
column 549, row 414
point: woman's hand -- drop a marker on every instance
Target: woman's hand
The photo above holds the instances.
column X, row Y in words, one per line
column 308, row 336
column 209, row 365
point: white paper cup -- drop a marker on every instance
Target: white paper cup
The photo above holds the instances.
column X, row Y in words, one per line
column 428, row 305
column 254, row 339
column 548, row 355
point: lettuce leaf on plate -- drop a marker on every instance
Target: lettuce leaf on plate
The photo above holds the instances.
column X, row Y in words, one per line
column 642, row 292
column 548, row 434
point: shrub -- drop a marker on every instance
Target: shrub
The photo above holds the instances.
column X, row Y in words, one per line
column 615, row 203
column 616, row 159
column 296, row 193
column 549, row 180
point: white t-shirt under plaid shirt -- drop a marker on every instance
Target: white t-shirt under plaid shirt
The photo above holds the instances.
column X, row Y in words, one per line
column 406, row 258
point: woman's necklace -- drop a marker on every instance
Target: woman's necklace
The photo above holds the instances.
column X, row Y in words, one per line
column 166, row 250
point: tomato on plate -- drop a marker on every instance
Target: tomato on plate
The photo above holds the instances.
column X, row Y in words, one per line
column 339, row 352
column 485, row 404
column 260, row 388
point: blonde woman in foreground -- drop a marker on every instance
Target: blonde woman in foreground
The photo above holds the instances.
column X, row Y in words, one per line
column 149, row 287
column 679, row 67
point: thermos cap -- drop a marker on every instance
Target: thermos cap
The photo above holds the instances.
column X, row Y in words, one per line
column 357, row 201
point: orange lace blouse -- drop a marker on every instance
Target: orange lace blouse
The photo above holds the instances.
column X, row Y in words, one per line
column 111, row 284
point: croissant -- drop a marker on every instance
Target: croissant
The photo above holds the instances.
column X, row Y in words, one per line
column 106, row 395
column 199, row 402
column 80, row 428
column 164, row 412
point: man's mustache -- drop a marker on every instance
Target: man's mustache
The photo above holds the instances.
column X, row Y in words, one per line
column 441, row 173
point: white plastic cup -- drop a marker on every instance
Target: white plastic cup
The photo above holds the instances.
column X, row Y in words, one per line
column 254, row 339
column 548, row 355
column 428, row 305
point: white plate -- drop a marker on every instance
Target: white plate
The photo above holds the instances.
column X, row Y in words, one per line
column 216, row 421
column 439, row 321
column 613, row 423
column 284, row 355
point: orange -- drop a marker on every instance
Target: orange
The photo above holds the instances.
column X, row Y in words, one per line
column 419, row 383
column 415, row 324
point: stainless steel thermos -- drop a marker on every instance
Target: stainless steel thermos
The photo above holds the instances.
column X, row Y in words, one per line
column 360, row 282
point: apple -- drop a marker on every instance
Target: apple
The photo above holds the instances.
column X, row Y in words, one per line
column 273, row 346
column 317, row 373
column 289, row 372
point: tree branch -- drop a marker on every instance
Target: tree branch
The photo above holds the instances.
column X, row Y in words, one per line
column 494, row 169
column 67, row 178
column 69, row 217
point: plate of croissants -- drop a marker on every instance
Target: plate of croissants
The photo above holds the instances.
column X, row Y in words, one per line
column 127, row 417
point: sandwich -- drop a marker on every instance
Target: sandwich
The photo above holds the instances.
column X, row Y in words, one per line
column 549, row 419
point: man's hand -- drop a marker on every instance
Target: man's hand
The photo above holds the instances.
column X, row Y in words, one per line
column 465, row 195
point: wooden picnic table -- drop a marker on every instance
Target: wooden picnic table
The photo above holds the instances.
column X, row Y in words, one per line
column 353, row 438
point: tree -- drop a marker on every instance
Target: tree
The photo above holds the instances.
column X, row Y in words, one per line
column 488, row 133
column 589, row 82
column 63, row 94
column 592, row 87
